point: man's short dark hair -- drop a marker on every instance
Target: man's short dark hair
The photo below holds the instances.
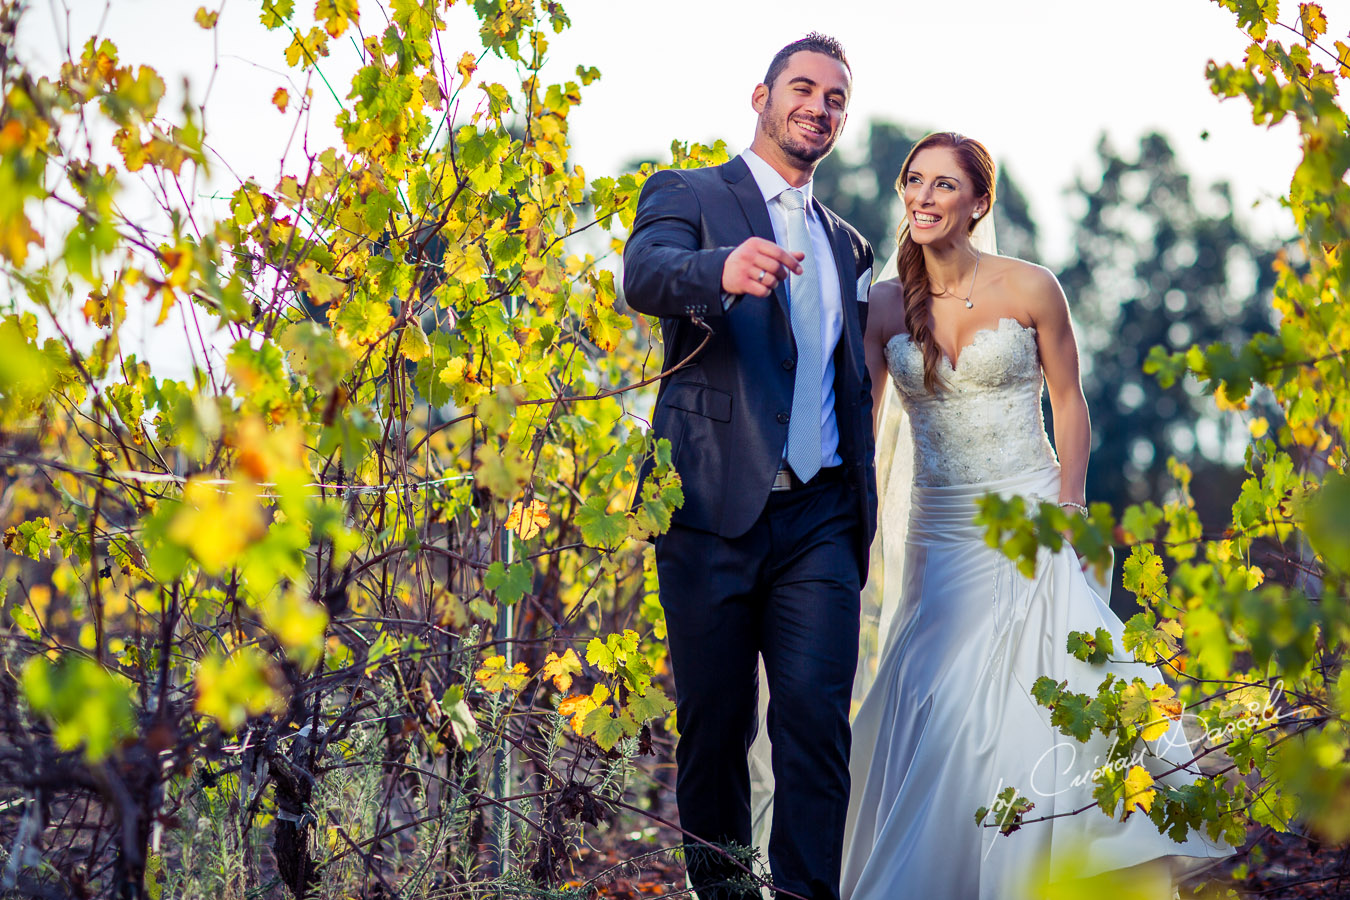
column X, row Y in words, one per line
column 816, row 43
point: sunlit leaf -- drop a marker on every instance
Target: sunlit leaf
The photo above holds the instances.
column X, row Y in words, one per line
column 527, row 521
column 561, row 669
column 494, row 676
column 87, row 705
column 234, row 688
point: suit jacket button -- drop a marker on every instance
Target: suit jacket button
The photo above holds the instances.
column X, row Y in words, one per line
column 789, row 364
column 784, row 418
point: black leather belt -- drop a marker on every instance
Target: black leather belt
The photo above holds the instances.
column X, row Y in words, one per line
column 787, row 480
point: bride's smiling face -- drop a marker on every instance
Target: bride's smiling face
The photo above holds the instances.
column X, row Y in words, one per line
column 940, row 199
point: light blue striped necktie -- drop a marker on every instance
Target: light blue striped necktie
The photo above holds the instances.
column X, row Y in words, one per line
column 803, row 444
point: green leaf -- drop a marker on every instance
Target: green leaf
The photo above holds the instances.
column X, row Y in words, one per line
column 32, row 539
column 1046, row 690
column 463, row 726
column 86, row 704
column 509, row 584
column 1091, row 648
column 608, row 729
column 231, row 689
column 1149, row 641
column 600, row 655
column 1207, row 640
column 1143, row 572
column 654, row 704
column 1328, row 521
column 600, row 528
column 1075, row 714
column 276, row 13
column 483, row 610
column 25, row 620
column 1141, row 522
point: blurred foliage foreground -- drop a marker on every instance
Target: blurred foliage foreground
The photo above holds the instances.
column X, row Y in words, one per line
column 353, row 608
column 356, row 608
column 1249, row 625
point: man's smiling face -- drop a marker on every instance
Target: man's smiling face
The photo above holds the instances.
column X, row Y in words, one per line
column 804, row 110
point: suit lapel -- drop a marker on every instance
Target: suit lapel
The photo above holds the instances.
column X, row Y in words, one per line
column 847, row 268
column 751, row 200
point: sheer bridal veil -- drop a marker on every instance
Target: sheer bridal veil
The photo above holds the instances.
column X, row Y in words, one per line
column 881, row 593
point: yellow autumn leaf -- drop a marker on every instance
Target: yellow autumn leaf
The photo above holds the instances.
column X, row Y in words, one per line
column 105, row 308
column 298, row 624
column 582, row 705
column 178, row 263
column 1229, row 402
column 1314, row 20
column 466, row 65
column 578, row 708
column 206, row 19
column 307, row 48
column 1343, row 57
column 217, row 523
column 412, row 342
column 280, row 98
column 335, row 15
column 231, row 689
column 431, row 92
column 494, row 676
column 562, row 668
column 264, row 453
column 503, row 472
column 1152, row 708
column 1309, row 435
column 16, row 233
column 322, row 287
column 1139, row 791
column 527, row 521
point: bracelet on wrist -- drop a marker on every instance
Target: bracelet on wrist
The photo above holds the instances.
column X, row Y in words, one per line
column 1069, row 504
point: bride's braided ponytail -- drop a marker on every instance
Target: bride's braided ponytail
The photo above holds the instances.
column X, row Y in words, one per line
column 918, row 291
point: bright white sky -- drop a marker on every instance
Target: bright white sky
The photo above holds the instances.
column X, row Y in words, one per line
column 1037, row 82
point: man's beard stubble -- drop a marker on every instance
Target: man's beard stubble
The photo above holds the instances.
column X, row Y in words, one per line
column 776, row 130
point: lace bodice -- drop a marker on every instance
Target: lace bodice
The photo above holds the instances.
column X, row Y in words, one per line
column 985, row 422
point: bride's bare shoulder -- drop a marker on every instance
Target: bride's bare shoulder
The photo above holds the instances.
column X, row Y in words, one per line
column 1018, row 274
column 887, row 292
column 887, row 302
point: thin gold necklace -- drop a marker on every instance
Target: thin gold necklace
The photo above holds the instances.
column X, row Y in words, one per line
column 973, row 275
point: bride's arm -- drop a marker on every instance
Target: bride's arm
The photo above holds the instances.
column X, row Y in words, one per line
column 1059, row 360
column 885, row 319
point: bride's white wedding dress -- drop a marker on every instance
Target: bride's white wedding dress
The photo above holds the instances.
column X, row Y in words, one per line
column 949, row 720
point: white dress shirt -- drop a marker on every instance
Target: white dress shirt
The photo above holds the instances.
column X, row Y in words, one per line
column 771, row 184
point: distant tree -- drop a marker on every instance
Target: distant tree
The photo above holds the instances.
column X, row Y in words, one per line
column 1159, row 262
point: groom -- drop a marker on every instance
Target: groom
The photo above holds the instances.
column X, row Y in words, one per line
column 771, row 431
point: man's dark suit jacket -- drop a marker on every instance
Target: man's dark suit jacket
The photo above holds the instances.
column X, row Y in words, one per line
column 726, row 414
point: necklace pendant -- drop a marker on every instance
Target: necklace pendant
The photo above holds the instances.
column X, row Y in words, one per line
column 969, row 305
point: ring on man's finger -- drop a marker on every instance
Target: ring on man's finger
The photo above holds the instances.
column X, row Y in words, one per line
column 760, row 276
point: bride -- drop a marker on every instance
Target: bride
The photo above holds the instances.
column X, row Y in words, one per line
column 968, row 338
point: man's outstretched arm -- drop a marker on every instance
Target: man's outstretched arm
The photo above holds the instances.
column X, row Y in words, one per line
column 668, row 272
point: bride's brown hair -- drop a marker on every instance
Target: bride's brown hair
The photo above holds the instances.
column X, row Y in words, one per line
column 978, row 166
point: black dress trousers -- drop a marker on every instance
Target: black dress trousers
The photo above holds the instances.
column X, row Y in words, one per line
column 788, row 588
